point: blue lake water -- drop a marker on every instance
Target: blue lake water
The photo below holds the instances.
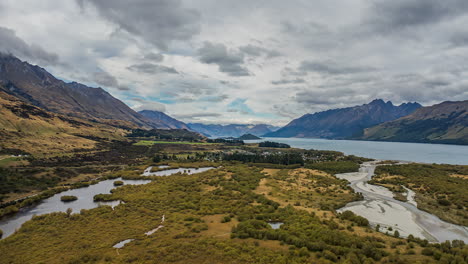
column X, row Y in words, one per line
column 417, row 152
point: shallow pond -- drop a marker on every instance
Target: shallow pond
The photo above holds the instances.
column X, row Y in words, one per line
column 275, row 225
column 85, row 197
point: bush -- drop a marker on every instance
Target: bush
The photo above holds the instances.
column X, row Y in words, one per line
column 359, row 220
column 118, row 183
column 1, row 233
column 102, row 197
column 68, row 198
column 226, row 219
column 269, row 144
column 444, row 202
column 427, row 251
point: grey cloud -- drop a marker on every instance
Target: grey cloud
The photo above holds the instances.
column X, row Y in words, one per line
column 105, row 79
column 256, row 51
column 284, row 81
column 196, row 115
column 144, row 104
column 331, row 68
column 156, row 21
column 313, row 35
column 12, row 44
column 459, row 39
column 151, row 68
column 330, row 98
column 217, row 99
column 287, row 71
column 388, row 16
column 156, row 57
column 228, row 61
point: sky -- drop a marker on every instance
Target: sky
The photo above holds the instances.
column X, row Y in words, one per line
column 256, row 61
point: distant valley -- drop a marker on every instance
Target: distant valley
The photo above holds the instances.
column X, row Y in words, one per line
column 232, row 130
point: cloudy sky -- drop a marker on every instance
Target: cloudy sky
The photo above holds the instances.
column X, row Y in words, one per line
column 256, row 61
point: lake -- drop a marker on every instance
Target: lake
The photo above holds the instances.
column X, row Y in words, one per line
column 416, row 152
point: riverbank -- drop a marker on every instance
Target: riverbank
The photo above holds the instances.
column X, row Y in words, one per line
column 380, row 208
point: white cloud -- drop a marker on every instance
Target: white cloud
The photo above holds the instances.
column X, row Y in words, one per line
column 285, row 58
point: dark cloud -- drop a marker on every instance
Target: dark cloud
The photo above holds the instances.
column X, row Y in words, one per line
column 105, row 79
column 256, row 51
column 285, row 81
column 387, row 16
column 12, row 44
column 228, row 61
column 157, row 21
column 331, row 68
column 151, row 68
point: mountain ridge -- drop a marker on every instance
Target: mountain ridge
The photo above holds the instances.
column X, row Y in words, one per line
column 446, row 123
column 163, row 118
column 342, row 123
column 34, row 85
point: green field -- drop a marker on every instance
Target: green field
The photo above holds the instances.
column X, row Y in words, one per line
column 151, row 142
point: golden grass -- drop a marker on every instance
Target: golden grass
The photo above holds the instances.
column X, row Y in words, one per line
column 216, row 228
column 465, row 177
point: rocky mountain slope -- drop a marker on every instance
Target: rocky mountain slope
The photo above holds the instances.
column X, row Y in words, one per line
column 163, row 119
column 36, row 86
column 344, row 122
column 446, row 122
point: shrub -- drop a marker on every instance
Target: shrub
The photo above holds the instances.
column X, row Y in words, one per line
column 118, row 183
column 348, row 215
column 427, row 251
column 68, row 198
column 226, row 219
column 102, row 197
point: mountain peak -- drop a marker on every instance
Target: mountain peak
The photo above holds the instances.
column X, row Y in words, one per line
column 380, row 102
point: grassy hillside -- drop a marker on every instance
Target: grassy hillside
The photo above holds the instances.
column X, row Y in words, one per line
column 36, row 131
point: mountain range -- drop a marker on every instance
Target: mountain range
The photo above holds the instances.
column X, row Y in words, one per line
column 33, row 102
column 446, row 122
column 344, row 122
column 36, row 86
column 232, row 130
